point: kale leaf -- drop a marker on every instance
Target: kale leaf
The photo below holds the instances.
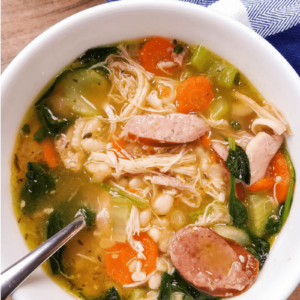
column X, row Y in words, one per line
column 175, row 283
column 39, row 182
column 26, row 128
column 238, row 164
column 51, row 125
column 273, row 225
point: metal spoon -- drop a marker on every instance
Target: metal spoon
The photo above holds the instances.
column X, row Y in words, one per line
column 12, row 277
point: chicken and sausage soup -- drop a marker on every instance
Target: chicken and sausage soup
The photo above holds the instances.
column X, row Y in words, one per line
column 178, row 165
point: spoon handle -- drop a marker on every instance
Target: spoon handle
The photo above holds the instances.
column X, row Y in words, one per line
column 12, row 277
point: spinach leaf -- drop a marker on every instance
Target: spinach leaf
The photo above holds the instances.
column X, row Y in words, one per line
column 236, row 80
column 39, row 182
column 175, row 283
column 260, row 245
column 88, row 214
column 97, row 54
column 178, row 49
column 235, row 125
column 26, row 128
column 51, row 125
column 165, row 287
column 237, row 209
column 56, row 223
column 111, row 294
column 274, row 224
column 238, row 162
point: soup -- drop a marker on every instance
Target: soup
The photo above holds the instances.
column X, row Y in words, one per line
column 177, row 163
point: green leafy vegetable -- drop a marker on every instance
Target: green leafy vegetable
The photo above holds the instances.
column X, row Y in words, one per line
column 51, row 125
column 238, row 162
column 56, row 223
column 88, row 214
column 237, row 209
column 260, row 245
column 175, row 283
column 26, row 128
column 235, row 125
column 97, row 54
column 290, row 193
column 39, row 182
column 111, row 294
column 178, row 49
column 273, row 226
column 134, row 199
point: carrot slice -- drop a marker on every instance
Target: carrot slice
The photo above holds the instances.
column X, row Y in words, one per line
column 206, row 141
column 131, row 190
column 50, row 154
column 262, row 184
column 119, row 145
column 279, row 168
column 194, row 94
column 119, row 256
column 154, row 51
column 240, row 191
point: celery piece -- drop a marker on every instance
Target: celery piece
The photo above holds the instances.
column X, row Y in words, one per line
column 119, row 213
column 177, row 296
column 201, row 58
column 226, row 77
column 137, row 294
column 134, row 199
column 187, row 73
column 260, row 208
column 232, row 233
column 290, row 193
column 221, row 108
column 216, row 68
column 80, row 87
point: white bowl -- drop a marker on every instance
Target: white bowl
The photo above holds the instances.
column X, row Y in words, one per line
column 50, row 52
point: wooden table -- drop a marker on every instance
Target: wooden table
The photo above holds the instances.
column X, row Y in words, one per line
column 23, row 20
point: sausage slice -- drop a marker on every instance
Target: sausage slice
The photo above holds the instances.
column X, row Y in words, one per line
column 212, row 264
column 165, row 131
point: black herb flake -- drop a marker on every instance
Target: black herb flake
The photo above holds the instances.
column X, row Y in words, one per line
column 175, row 42
column 75, row 80
column 80, row 242
column 87, row 135
column 178, row 49
column 16, row 163
column 236, row 80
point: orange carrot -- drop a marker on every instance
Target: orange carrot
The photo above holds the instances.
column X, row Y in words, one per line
column 206, row 141
column 279, row 168
column 50, row 154
column 213, row 156
column 240, row 191
column 154, row 51
column 131, row 190
column 119, row 255
column 261, row 185
column 194, row 94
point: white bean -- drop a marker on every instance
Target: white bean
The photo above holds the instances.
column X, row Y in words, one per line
column 92, row 145
column 164, row 242
column 145, row 217
column 138, row 276
column 178, row 219
column 137, row 182
column 123, row 182
column 154, row 233
column 99, row 171
column 163, row 203
column 155, row 281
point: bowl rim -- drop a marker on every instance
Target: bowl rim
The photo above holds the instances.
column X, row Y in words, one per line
column 7, row 75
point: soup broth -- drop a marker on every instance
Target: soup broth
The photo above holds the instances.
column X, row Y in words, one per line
column 149, row 138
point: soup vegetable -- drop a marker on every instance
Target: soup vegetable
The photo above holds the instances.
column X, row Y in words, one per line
column 177, row 163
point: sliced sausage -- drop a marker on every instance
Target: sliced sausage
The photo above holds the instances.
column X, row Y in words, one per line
column 212, row 264
column 165, row 131
column 260, row 151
